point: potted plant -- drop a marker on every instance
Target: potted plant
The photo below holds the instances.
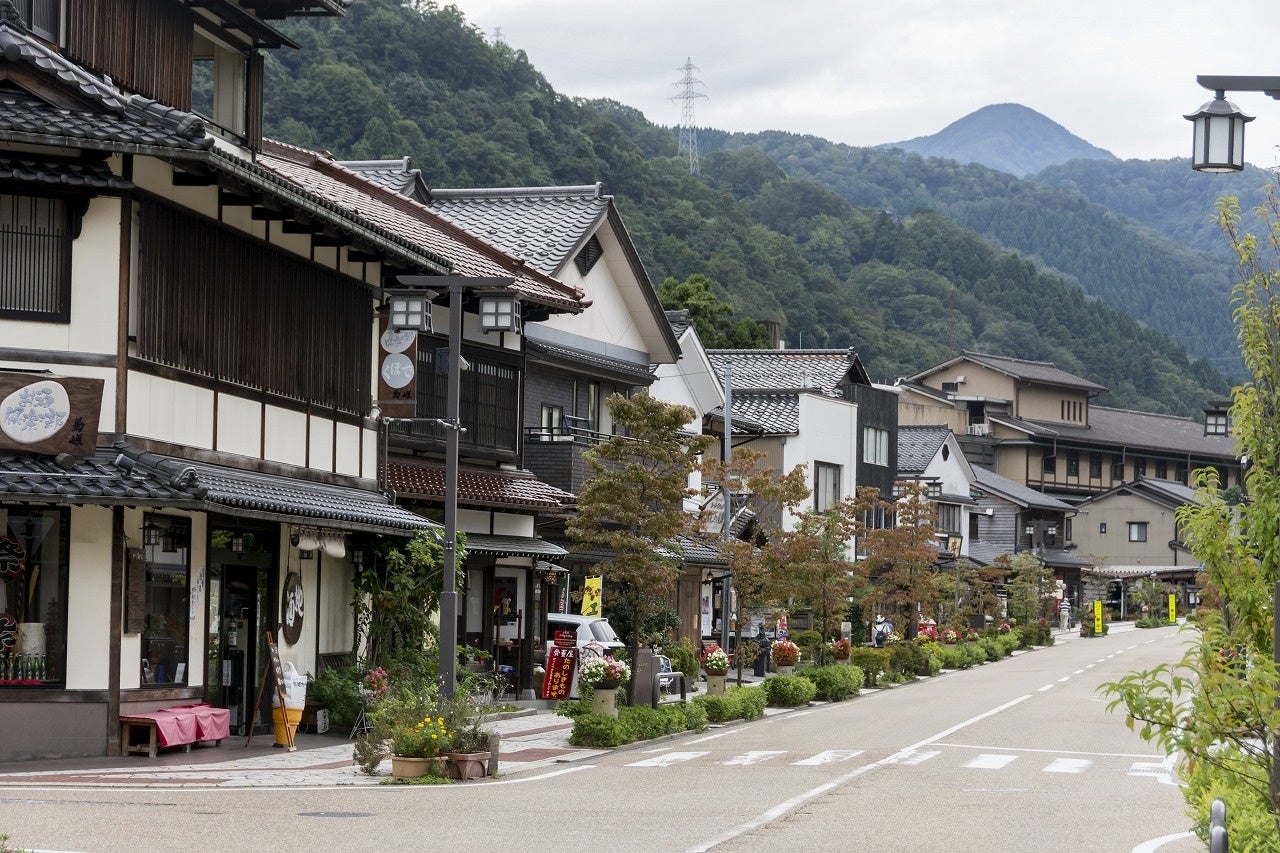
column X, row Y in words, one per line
column 841, row 649
column 716, row 662
column 950, row 637
column 785, row 655
column 602, row 675
column 469, row 752
column 418, row 747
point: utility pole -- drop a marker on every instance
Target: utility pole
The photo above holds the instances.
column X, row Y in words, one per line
column 688, row 128
column 727, row 532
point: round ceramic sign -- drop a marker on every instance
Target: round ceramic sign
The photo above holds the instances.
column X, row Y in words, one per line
column 291, row 608
column 35, row 412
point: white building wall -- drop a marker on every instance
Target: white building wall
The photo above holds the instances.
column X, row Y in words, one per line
column 89, row 599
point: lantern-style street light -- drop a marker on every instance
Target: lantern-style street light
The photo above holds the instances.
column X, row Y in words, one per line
column 1218, row 144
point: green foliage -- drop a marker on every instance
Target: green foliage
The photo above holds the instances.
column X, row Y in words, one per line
column 635, row 722
column 834, row 683
column 1151, row 622
column 808, row 641
column 1029, row 580
column 338, row 690
column 788, row 691
column 872, row 662
column 683, row 659
column 736, row 703
column 1037, row 633
column 711, row 316
column 907, row 660
column 600, row 730
column 660, row 618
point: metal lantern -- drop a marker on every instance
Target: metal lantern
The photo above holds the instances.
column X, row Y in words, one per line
column 237, row 543
column 152, row 533
column 1219, row 136
column 410, row 311
column 499, row 314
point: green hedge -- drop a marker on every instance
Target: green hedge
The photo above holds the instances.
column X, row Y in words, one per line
column 872, row 662
column 834, row 683
column 736, row 703
column 907, row 660
column 635, row 723
column 789, row 691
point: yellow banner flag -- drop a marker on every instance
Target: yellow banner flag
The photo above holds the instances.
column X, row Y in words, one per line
column 1173, row 608
column 591, row 596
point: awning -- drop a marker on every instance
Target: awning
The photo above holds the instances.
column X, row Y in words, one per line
column 513, row 546
column 490, row 488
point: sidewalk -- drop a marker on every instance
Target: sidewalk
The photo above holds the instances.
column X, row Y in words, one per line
column 529, row 741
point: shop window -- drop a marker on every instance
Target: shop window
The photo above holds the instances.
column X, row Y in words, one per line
column 33, row 596
column 35, row 258
column 167, row 546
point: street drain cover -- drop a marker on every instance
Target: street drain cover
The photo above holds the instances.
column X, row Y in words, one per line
column 335, row 814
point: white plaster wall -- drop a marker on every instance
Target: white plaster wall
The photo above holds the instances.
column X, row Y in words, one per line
column 89, row 599
column 349, row 452
column 286, row 436
column 320, row 444
column 170, row 411
column 473, row 520
column 157, row 177
column 239, row 426
column 333, row 617
column 509, row 524
column 828, row 433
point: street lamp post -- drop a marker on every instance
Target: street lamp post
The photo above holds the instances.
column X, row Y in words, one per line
column 498, row 313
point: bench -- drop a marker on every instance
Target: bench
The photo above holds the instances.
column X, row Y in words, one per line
column 181, row 725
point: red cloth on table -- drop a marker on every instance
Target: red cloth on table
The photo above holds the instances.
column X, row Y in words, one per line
column 185, row 724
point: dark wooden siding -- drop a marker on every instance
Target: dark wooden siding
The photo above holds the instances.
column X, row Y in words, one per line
column 253, row 101
column 216, row 303
column 879, row 409
column 145, row 45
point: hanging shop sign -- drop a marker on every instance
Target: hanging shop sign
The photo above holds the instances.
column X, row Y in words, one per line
column 592, row 602
column 397, row 371
column 291, row 610
column 49, row 414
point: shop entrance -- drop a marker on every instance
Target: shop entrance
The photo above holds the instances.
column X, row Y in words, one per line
column 242, row 578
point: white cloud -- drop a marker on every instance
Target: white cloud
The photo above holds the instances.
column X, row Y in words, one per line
column 1119, row 75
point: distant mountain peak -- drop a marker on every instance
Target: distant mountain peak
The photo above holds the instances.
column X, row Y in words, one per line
column 1008, row 137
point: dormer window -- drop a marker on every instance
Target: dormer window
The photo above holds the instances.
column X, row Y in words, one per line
column 590, row 253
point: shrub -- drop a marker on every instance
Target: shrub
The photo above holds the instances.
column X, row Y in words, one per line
column 1150, row 622
column 872, row 662
column 695, row 716
column 789, row 691
column 973, row 654
column 338, row 689
column 907, row 659
column 807, row 640
column 835, row 683
column 600, row 730
column 1008, row 643
column 684, row 659
column 949, row 657
column 1035, row 634
column 991, row 649
column 736, row 703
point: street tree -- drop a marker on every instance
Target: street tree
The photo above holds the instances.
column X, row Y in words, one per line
column 1029, row 584
column 756, row 563
column 633, row 502
column 901, row 558
column 1217, row 706
column 820, row 571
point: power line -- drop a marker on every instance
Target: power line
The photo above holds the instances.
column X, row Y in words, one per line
column 688, row 127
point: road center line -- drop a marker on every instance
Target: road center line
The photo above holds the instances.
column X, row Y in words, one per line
column 787, row 805
column 1046, row 687
column 712, row 737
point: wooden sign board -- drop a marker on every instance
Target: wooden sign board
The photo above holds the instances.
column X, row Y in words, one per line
column 49, row 414
column 397, row 371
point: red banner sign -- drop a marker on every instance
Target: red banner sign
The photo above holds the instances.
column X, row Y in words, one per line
column 559, row 678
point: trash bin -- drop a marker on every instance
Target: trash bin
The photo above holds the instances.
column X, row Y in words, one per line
column 762, row 659
column 295, row 699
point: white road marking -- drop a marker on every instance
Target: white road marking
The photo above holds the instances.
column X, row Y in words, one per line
column 1161, row 771
column 668, row 759
column 830, row 756
column 798, row 714
column 712, row 737
column 1077, row 672
column 537, row 778
column 755, row 756
column 1046, row 687
column 991, row 761
column 1064, row 678
column 1067, row 765
column 1156, row 843
column 1090, row 665
column 1021, row 749
column 912, row 758
column 800, row 799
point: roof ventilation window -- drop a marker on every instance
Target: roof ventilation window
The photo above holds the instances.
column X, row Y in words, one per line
column 951, row 387
column 590, row 253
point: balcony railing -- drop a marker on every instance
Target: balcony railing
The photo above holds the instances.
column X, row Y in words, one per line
column 571, row 430
column 979, row 429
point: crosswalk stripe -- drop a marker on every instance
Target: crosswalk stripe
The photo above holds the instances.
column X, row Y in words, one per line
column 991, row 761
column 668, row 759
column 912, row 758
column 830, row 756
column 753, row 757
column 1067, row 765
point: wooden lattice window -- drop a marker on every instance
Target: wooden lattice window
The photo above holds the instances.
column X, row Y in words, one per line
column 35, row 258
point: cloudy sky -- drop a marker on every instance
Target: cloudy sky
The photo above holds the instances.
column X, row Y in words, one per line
column 1120, row 73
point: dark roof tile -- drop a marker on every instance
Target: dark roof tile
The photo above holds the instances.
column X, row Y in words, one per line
column 482, row 488
column 794, row 369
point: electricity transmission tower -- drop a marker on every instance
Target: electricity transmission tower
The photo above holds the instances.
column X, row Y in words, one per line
column 688, row 128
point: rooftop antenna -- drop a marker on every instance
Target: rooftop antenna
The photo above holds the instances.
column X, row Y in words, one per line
column 688, row 128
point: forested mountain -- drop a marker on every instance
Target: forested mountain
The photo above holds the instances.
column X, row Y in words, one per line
column 1150, row 277
column 905, row 289
column 1008, row 137
column 1165, row 195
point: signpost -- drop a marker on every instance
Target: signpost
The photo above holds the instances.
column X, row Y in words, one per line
column 561, row 660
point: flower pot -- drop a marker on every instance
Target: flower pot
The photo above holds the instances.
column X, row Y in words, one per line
column 842, row 661
column 604, row 700
column 715, row 683
column 409, row 767
column 787, row 669
column 468, row 765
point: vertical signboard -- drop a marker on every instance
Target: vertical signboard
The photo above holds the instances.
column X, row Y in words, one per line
column 1097, row 618
column 397, row 371
column 1173, row 608
column 562, row 657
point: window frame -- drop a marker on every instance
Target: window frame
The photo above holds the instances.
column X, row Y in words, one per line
column 875, row 446
column 1073, row 463
column 55, row 568
column 826, row 494
column 1137, row 531
column 156, row 566
column 65, row 209
column 946, row 510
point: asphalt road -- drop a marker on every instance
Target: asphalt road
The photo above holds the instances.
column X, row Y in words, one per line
column 1015, row 756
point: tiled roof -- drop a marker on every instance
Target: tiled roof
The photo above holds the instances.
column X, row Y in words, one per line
column 327, row 178
column 638, row 374
column 679, row 321
column 1142, row 571
column 124, row 475
column 95, row 480
column 1042, row 372
column 546, row 226
column 984, row 553
column 788, row 369
column 702, row 551
column 991, row 482
column 280, row 498
column 513, row 546
column 33, row 169
column 399, row 176
column 480, row 488
column 775, row 413
column 26, row 118
column 1166, row 492
column 917, row 445
column 1142, row 431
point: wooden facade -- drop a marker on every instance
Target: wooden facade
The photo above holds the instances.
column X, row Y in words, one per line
column 143, row 44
